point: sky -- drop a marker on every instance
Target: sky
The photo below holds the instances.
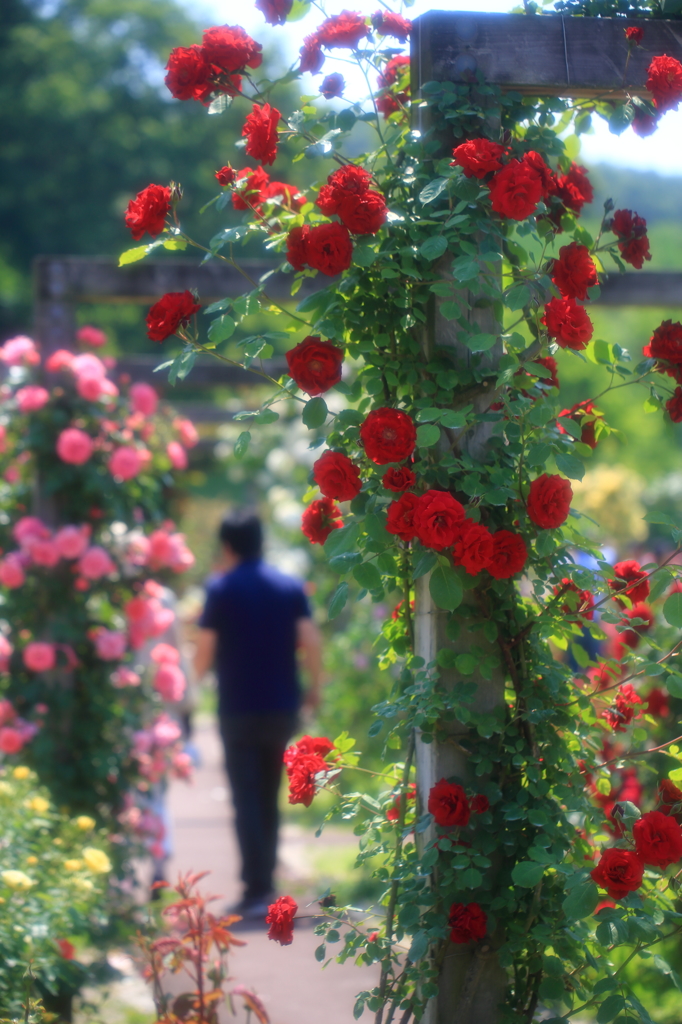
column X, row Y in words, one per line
column 661, row 152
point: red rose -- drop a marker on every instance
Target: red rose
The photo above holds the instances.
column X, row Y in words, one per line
column 288, row 195
column 231, row 49
column 619, row 872
column 549, row 363
column 312, row 57
column 549, row 501
column 226, row 175
column 297, row 247
column 302, row 778
column 147, row 211
column 509, row 555
column 400, row 517
column 516, row 190
column 401, row 479
column 319, row 519
column 275, row 11
column 644, row 123
column 307, row 745
column 332, row 86
column 480, row 804
column 363, row 215
column 664, row 82
column 345, row 29
column 634, row 242
column 189, row 74
column 658, row 839
column 280, row 917
column 631, row 637
column 631, row 580
column 387, row 103
column 386, row 23
column 574, row 271
column 467, row 922
column 574, row 189
column 670, row 797
column 326, row 247
column 388, row 435
column 449, row 805
column 315, row 365
column 580, row 603
column 260, row 128
column 166, row 315
column 666, row 343
column 336, row 476
column 393, row 813
column 473, row 547
column 568, row 323
column 478, row 157
column 634, row 34
column 438, row 519
column 585, row 416
column 674, row 406
column 622, row 711
column 251, row 188
column 537, row 163
column 657, row 703
column 394, row 70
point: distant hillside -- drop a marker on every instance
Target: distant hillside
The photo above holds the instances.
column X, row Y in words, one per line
column 654, row 196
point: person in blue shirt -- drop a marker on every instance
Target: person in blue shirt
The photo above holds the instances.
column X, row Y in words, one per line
column 254, row 621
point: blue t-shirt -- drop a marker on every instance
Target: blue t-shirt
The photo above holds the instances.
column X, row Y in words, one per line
column 254, row 610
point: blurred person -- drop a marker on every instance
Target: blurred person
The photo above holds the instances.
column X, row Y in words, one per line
column 254, row 620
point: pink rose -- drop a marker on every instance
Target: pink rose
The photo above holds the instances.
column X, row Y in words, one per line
column 71, row 541
column 20, row 351
column 74, row 446
column 87, row 364
column 39, row 656
column 169, row 551
column 29, row 528
column 182, row 766
column 7, row 712
column 177, row 454
column 3, row 439
column 125, row 463
column 170, row 682
column 110, row 645
column 143, row 398
column 91, row 336
column 124, row 677
column 187, row 431
column 137, row 551
column 12, row 573
column 44, row 552
column 165, row 653
column 165, row 731
column 59, row 360
column 6, row 651
column 95, row 563
column 11, row 740
column 32, row 398
column 89, row 386
column 109, row 390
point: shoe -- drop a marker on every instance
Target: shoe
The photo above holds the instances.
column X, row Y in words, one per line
column 253, row 908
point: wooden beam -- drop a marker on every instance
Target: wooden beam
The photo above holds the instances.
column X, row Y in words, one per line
column 641, row 288
column 539, row 55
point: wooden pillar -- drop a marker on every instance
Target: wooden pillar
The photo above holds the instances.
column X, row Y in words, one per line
column 54, row 311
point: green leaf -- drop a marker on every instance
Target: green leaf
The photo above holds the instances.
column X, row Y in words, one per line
column 339, row 598
column 132, row 255
column 480, row 342
column 424, row 564
column 581, row 901
column 368, row 576
column 178, row 243
column 340, row 541
column 433, row 190
column 445, row 587
column 672, row 610
column 433, row 247
column 420, row 944
column 298, row 11
column 570, row 466
column 222, row 328
column 315, row 413
column 220, row 104
column 610, row 1008
column 527, row 873
column 428, row 434
column 242, row 444
column 320, row 953
column 517, row 297
column 659, row 518
column 364, row 255
column 450, row 310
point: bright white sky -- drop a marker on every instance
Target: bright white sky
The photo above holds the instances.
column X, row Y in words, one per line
column 661, row 152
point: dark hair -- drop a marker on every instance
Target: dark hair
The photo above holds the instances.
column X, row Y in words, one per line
column 243, row 531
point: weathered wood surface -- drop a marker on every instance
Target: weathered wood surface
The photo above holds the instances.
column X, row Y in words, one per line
column 541, row 55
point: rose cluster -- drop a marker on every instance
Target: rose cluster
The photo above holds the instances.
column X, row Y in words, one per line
column 305, row 764
column 157, row 751
column 657, row 840
column 216, row 66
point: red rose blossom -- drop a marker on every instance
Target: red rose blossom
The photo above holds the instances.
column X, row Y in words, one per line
column 386, row 23
column 658, row 839
column 674, row 406
column 634, row 34
column 148, row 210
column 226, row 176
column 480, row 804
column 516, row 190
column 260, row 128
column 658, row 703
column 670, row 797
column 630, row 580
column 275, row 11
column 231, row 49
column 585, row 416
column 337, row 477
column 664, row 82
column 364, row 214
column 319, row 519
column 312, row 57
column 388, row 103
column 549, row 501
column 449, row 805
column 287, row 195
column 325, row 247
column 468, row 922
column 393, row 813
column 401, row 479
column 579, row 603
column 549, row 363
column 622, row 711
column 394, row 70
column 631, row 637
column 280, row 917
column 473, row 548
column 568, row 323
column 348, row 180
column 321, row 745
column 478, row 157
column 666, row 343
column 170, row 312
column 388, row 435
column 574, row 271
column 302, row 774
column 634, row 241
column 400, row 516
column 333, row 86
column 574, row 188
column 509, row 555
column 250, row 188
column 315, row 365
column 341, row 30
column 189, row 75
column 619, row 872
column 438, row 519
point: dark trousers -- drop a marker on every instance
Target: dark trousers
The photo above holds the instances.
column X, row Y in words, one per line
column 254, row 747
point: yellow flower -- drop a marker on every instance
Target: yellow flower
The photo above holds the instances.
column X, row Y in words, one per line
column 16, row 880
column 57, row 841
column 85, row 822
column 73, row 864
column 21, row 772
column 96, row 860
column 38, row 804
column 84, row 883
column 6, row 789
column 31, row 860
